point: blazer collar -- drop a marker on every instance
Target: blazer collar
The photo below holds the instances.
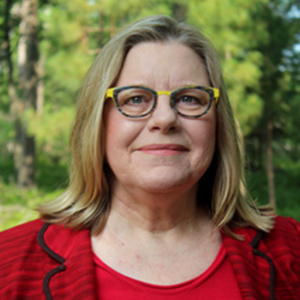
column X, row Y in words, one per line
column 71, row 269
column 253, row 268
column 70, row 274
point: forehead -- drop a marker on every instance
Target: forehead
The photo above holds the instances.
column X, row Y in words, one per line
column 168, row 65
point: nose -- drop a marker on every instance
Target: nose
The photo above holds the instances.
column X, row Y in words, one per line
column 164, row 118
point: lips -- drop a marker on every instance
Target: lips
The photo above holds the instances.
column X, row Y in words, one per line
column 163, row 149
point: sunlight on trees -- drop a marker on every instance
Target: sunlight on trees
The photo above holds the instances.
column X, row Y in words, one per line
column 258, row 43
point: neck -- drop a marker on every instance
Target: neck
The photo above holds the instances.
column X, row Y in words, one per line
column 155, row 213
column 157, row 230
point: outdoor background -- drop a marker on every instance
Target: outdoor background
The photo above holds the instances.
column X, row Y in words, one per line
column 47, row 46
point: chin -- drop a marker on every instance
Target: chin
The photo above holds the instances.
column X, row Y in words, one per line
column 164, row 183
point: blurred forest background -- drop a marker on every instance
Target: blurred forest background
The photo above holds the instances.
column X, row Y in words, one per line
column 47, row 46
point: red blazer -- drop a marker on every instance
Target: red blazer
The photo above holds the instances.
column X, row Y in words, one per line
column 43, row 261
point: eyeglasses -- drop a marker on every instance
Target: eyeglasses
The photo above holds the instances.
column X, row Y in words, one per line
column 139, row 101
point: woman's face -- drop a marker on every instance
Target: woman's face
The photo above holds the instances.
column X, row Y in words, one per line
column 163, row 152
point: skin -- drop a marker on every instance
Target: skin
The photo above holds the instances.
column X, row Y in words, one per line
column 155, row 165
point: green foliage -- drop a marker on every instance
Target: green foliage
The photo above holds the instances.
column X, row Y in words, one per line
column 64, row 48
column 256, row 43
column 132, row 9
column 6, row 133
column 62, row 78
column 287, row 191
column 17, row 205
column 52, row 131
column 231, row 29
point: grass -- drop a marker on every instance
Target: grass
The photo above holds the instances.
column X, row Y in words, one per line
column 18, row 205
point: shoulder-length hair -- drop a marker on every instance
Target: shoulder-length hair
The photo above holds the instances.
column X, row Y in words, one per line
column 86, row 201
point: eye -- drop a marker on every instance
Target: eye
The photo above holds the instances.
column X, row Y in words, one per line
column 188, row 99
column 135, row 100
column 135, row 97
column 191, row 98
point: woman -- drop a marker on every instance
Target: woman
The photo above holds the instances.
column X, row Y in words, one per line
column 157, row 205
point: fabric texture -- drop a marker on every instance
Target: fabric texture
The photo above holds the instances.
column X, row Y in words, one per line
column 43, row 261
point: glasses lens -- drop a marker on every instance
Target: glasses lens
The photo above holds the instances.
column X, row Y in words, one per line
column 191, row 101
column 135, row 101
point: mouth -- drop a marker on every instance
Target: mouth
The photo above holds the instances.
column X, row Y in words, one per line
column 163, row 149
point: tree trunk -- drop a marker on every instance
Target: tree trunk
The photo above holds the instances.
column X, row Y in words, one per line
column 40, row 86
column 12, row 91
column 28, row 82
column 270, row 171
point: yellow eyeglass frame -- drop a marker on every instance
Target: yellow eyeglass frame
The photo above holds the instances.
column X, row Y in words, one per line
column 113, row 92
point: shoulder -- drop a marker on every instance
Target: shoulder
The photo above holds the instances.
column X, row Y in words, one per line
column 19, row 245
column 284, row 237
column 283, row 241
column 31, row 251
column 35, row 236
column 20, row 253
column 273, row 257
column 288, row 223
column 286, row 230
column 20, row 235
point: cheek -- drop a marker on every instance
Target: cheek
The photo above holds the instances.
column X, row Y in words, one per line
column 204, row 151
column 203, row 137
column 119, row 133
column 114, row 126
column 203, row 131
column 111, row 131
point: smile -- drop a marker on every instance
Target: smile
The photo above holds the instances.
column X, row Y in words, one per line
column 163, row 149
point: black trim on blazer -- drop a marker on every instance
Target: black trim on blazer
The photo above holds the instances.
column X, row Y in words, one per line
column 254, row 244
column 52, row 254
column 40, row 238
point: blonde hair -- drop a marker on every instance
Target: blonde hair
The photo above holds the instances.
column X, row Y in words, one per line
column 85, row 203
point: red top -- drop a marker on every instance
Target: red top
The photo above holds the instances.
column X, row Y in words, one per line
column 217, row 282
column 42, row 261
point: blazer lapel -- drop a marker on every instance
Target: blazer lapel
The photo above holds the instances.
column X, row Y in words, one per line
column 70, row 273
column 252, row 272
